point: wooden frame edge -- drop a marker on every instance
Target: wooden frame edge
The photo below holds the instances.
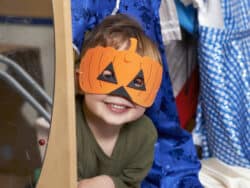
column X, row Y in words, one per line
column 59, row 166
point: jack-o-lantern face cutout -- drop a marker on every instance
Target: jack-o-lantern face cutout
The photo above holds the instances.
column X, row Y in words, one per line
column 124, row 73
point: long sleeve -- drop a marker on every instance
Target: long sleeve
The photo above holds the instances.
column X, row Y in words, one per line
column 141, row 161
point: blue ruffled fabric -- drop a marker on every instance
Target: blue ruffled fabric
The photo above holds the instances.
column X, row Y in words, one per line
column 175, row 164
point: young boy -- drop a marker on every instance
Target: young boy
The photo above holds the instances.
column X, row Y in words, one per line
column 120, row 74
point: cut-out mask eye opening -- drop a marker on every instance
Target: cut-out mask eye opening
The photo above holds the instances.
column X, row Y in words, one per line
column 108, row 74
column 138, row 82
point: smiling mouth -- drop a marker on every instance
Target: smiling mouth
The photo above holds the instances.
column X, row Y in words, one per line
column 117, row 108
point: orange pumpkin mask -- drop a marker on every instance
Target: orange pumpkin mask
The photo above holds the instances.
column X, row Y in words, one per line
column 105, row 70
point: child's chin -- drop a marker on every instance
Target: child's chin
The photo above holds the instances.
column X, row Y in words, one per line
column 115, row 121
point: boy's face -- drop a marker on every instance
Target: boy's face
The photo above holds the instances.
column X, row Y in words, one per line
column 113, row 110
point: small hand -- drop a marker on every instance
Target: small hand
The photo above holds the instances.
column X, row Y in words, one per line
column 97, row 182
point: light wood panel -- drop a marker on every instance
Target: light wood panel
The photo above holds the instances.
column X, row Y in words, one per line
column 26, row 8
column 59, row 167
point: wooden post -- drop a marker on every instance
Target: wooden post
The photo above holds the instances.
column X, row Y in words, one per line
column 59, row 166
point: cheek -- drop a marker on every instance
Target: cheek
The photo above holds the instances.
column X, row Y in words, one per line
column 92, row 100
column 138, row 112
column 141, row 110
column 93, row 97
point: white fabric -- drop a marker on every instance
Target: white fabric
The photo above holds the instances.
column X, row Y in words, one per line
column 211, row 15
column 216, row 174
column 181, row 60
column 170, row 27
column 209, row 12
column 197, row 138
column 187, row 2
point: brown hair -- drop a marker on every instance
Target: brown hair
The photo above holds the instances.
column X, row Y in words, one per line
column 115, row 31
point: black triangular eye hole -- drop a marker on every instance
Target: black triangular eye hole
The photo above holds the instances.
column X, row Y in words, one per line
column 108, row 74
column 138, row 82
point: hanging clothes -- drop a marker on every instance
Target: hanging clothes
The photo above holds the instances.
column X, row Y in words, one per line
column 175, row 164
column 210, row 13
column 223, row 118
column 183, row 71
column 187, row 17
column 170, row 27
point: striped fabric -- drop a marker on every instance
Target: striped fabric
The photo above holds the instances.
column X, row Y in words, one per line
column 223, row 115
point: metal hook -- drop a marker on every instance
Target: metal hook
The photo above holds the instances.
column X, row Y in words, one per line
column 117, row 6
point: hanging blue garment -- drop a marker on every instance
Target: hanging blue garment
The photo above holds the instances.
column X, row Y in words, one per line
column 175, row 164
column 187, row 16
column 223, row 117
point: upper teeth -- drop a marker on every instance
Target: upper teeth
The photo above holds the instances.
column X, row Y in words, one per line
column 118, row 106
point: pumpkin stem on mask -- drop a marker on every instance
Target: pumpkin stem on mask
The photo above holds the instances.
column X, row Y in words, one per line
column 133, row 44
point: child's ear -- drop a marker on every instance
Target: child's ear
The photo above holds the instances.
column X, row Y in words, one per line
column 77, row 83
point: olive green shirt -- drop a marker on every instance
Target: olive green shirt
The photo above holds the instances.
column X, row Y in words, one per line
column 132, row 156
